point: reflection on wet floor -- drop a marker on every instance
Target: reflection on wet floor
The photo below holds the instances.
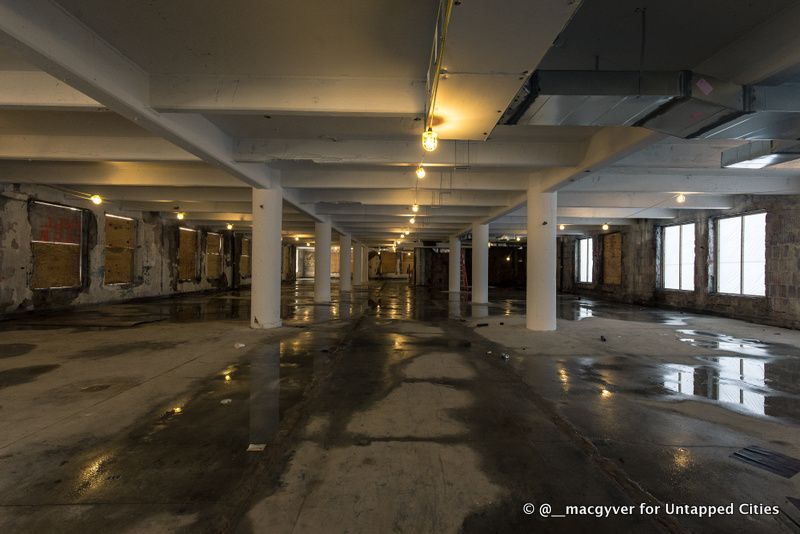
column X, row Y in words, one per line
column 574, row 308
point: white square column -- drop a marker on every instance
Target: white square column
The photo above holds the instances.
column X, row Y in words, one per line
column 358, row 264
column 322, row 262
column 540, row 296
column 265, row 292
column 480, row 264
column 344, row 263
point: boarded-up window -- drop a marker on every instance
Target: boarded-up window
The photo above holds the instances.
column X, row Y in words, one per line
column 56, row 233
column 612, row 259
column 213, row 256
column 244, row 259
column 388, row 263
column 119, row 247
column 187, row 254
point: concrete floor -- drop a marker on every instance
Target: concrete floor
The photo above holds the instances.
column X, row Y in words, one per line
column 392, row 410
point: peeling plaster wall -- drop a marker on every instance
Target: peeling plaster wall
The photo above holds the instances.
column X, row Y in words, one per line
column 640, row 265
column 155, row 257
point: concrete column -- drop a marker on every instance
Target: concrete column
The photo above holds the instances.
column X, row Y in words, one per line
column 540, row 298
column 366, row 264
column 265, row 298
column 344, row 263
column 480, row 263
column 322, row 262
column 455, row 265
column 358, row 264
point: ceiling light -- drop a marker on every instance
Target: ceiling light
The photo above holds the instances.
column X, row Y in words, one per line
column 508, row 258
column 518, row 238
column 430, row 140
column 681, row 198
column 296, row 238
column 229, row 226
column 561, row 227
column 421, row 171
column 180, row 215
column 96, row 199
column 402, row 235
column 412, row 220
column 308, row 243
column 605, row 227
column 415, row 208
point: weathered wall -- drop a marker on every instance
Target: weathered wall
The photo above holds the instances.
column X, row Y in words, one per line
column 155, row 258
column 639, row 276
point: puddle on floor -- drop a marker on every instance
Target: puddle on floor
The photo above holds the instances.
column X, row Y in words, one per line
column 577, row 308
column 754, row 386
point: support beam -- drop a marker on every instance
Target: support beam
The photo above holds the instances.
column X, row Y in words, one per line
column 480, row 263
column 406, row 197
column 343, row 95
column 497, row 154
column 47, row 36
column 455, row 265
column 33, row 89
column 345, row 242
column 322, row 262
column 265, row 300
column 395, row 177
column 90, row 148
column 540, row 296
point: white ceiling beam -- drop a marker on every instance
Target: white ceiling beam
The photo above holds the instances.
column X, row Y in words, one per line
column 657, row 182
column 88, row 148
column 115, row 173
column 496, row 154
column 337, row 210
column 168, row 193
column 406, row 197
column 33, row 89
column 600, row 199
column 49, row 37
column 471, row 179
column 343, row 95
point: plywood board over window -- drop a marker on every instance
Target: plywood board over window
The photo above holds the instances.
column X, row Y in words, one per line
column 388, row 263
column 213, row 256
column 56, row 244
column 120, row 243
column 244, row 259
column 187, row 254
column 612, row 258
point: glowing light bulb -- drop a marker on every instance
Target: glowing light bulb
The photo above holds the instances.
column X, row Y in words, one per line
column 180, row 215
column 508, row 258
column 420, row 172
column 561, row 227
column 430, row 140
column 412, row 220
column 605, row 227
column 308, row 243
column 415, row 208
column 227, row 378
column 681, row 198
column 177, row 409
column 402, row 236
column 96, row 199
column 229, row 226
column 518, row 238
column 296, row 238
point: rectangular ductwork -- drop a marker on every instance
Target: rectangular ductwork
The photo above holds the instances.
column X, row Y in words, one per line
column 759, row 154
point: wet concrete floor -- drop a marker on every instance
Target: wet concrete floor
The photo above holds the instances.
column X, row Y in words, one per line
column 393, row 409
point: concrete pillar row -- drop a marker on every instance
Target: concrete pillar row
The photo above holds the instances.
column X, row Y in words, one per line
column 344, row 263
column 455, row 265
column 265, row 266
column 322, row 262
column 358, row 264
column 540, row 297
column 480, row 263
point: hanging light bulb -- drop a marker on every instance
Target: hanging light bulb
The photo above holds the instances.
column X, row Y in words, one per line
column 430, row 140
column 297, row 238
column 415, row 208
column 96, row 199
column 420, row 172
column 229, row 226
column 412, row 220
column 605, row 226
column 561, row 227
column 402, row 235
column 681, row 198
column 180, row 215
column 518, row 238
